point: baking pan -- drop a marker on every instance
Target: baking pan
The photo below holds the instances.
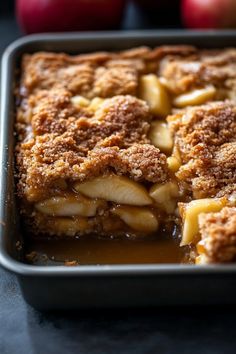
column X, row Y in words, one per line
column 61, row 287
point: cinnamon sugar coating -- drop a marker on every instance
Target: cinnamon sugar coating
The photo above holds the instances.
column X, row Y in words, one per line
column 218, row 234
column 114, row 139
column 98, row 74
column 204, row 67
column 205, row 137
column 61, row 141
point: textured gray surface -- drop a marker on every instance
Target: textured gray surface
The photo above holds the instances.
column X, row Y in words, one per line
column 24, row 330
column 165, row 330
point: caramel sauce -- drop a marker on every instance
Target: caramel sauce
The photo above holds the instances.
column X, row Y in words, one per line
column 89, row 250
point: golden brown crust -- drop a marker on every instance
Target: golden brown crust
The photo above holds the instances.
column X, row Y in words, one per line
column 205, row 137
column 98, row 74
column 202, row 68
column 47, row 71
column 61, row 141
column 218, row 236
column 118, row 79
column 73, row 148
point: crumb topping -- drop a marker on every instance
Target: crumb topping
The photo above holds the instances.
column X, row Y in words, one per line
column 81, row 117
column 64, row 146
column 218, row 233
column 202, row 68
column 205, row 137
column 99, row 74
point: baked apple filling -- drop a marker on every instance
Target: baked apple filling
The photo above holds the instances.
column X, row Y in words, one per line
column 129, row 204
column 127, row 144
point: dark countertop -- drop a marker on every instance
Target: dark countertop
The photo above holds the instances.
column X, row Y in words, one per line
column 24, row 330
column 188, row 330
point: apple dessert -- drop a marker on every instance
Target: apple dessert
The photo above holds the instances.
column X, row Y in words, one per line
column 123, row 144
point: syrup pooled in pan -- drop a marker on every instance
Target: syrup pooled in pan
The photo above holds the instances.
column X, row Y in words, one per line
column 163, row 248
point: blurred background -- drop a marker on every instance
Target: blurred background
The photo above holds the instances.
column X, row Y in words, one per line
column 25, row 16
column 21, row 17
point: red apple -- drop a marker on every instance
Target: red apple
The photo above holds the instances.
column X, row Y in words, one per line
column 213, row 14
column 68, row 15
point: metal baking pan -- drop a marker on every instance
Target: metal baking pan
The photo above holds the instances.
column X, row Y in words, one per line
column 61, row 287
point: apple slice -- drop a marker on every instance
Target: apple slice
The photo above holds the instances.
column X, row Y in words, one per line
column 79, row 101
column 95, row 103
column 139, row 219
column 190, row 212
column 173, row 163
column 165, row 195
column 160, row 136
column 70, row 205
column 116, row 189
column 155, row 94
column 195, row 97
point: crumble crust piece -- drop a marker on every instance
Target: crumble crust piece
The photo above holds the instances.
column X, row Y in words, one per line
column 218, row 236
column 205, row 138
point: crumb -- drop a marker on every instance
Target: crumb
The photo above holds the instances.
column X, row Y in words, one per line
column 218, row 236
column 19, row 245
column 205, row 137
column 31, row 257
column 71, row 263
